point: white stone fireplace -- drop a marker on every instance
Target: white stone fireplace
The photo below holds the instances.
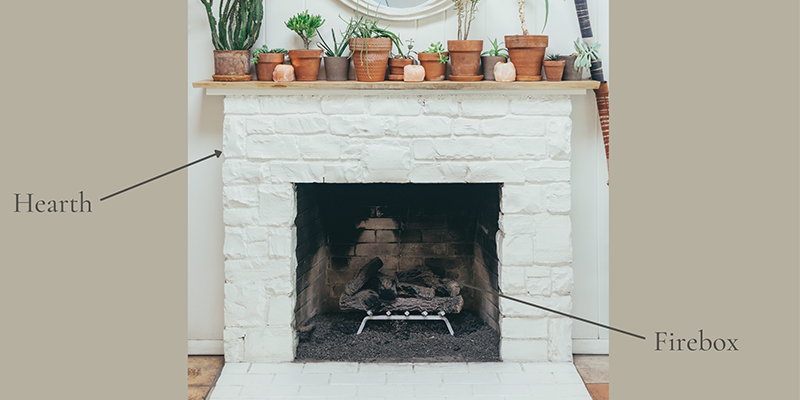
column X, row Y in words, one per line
column 277, row 139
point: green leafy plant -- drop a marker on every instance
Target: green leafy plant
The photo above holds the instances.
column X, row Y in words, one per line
column 409, row 50
column 266, row 50
column 438, row 49
column 552, row 57
column 496, row 50
column 522, row 15
column 338, row 48
column 305, row 26
column 587, row 53
column 366, row 27
column 239, row 23
column 466, row 10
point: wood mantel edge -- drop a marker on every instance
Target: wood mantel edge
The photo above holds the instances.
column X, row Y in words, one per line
column 488, row 86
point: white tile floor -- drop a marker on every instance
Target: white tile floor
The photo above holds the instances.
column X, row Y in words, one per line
column 417, row 381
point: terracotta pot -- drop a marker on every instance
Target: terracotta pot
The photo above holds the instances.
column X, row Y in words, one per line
column 370, row 58
column 306, row 64
column 465, row 56
column 434, row 71
column 569, row 68
column 337, row 68
column 488, row 63
column 553, row 70
column 396, row 68
column 266, row 64
column 231, row 62
column 527, row 53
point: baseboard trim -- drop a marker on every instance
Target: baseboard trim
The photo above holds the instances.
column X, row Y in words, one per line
column 589, row 346
column 205, row 348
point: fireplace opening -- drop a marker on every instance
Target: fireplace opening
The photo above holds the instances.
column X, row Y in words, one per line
column 398, row 251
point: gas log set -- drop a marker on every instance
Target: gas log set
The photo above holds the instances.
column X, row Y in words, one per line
column 415, row 291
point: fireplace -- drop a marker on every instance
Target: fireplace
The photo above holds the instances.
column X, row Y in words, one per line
column 316, row 185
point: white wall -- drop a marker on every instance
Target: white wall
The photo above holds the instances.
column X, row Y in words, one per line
column 496, row 18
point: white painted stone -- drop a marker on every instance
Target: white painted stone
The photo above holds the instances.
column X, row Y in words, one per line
column 271, row 344
column 301, row 124
column 296, row 172
column 233, row 137
column 537, row 174
column 513, row 126
column 517, row 250
column 563, row 280
column 281, row 311
column 239, row 196
column 559, row 347
column 353, row 149
column 255, row 233
column 466, row 127
column 386, row 156
column 274, row 147
column 233, row 344
column 360, row 126
column 320, row 147
column 530, row 350
column 257, row 250
column 446, row 106
column 558, row 197
column 260, row 124
column 284, row 105
column 553, row 241
column 538, row 286
column 558, row 138
column 386, row 175
column 484, row 106
column 277, row 206
column 496, row 171
column 343, row 105
column 235, row 245
column 395, row 106
column 517, row 224
column 427, row 126
column 280, row 286
column 541, row 105
column 424, row 149
column 240, row 172
column 346, row 172
column 245, row 305
column 538, row 271
column 512, row 280
column 463, row 148
column 523, row 328
column 519, row 148
column 280, row 243
column 526, row 199
column 438, row 172
column 240, row 105
column 240, row 216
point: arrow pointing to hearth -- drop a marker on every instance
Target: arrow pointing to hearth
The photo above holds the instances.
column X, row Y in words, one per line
column 217, row 153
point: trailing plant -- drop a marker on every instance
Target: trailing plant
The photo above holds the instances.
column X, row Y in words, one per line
column 466, row 10
column 266, row 50
column 366, row 27
column 496, row 50
column 305, row 26
column 586, row 54
column 552, row 57
column 438, row 49
column 522, row 15
column 239, row 23
column 338, row 47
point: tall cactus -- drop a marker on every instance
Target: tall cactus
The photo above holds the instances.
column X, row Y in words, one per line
column 239, row 23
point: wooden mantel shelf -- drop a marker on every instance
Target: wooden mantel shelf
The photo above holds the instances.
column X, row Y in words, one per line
column 356, row 87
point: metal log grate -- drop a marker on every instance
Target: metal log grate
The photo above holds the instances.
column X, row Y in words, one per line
column 406, row 317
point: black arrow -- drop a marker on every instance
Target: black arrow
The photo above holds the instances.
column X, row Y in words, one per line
column 217, row 153
column 553, row 311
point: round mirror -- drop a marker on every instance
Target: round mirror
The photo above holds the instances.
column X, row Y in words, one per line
column 399, row 10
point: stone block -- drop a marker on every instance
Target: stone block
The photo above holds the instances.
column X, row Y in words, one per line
column 424, row 149
column 519, row 148
column 563, row 281
column 513, row 126
column 395, row 106
column 484, row 106
column 245, row 304
column 235, row 245
column 320, row 147
column 517, row 250
column 344, row 172
column 538, row 286
column 239, row 196
column 277, row 206
column 281, row 311
column 233, row 344
column 386, row 156
column 514, row 309
column 517, row 224
column 465, row 126
column 558, row 138
column 257, row 250
column 512, row 280
column 523, row 199
column 271, row 344
column 386, row 175
column 294, row 104
column 523, row 328
column 256, row 233
column 272, row 147
column 538, row 174
column 553, row 241
column 240, row 105
column 445, row 105
column 280, row 243
column 496, row 171
column 260, row 125
column 240, row 172
column 558, row 197
column 240, row 216
column 296, row 172
column 538, row 271
column 423, row 126
column 523, row 350
column 332, row 105
column 360, row 126
column 301, row 124
column 541, row 105
column 464, row 148
column 559, row 347
column 438, row 172
column 234, row 137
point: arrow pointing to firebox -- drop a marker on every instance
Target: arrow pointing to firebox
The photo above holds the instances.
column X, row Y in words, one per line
column 217, row 153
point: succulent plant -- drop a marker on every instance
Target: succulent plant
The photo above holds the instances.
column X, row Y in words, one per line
column 239, row 23
column 552, row 57
column 437, row 48
column 266, row 50
column 496, row 50
column 305, row 26
column 586, row 54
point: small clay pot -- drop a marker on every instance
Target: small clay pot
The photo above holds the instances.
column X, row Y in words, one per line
column 465, row 56
column 527, row 54
column 337, row 68
column 370, row 58
column 488, row 66
column 231, row 62
column 553, row 70
column 396, row 68
column 306, row 64
column 266, row 64
column 569, row 68
column 434, row 71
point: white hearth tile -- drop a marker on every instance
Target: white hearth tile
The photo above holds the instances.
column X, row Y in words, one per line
column 360, row 378
column 504, row 367
column 330, row 367
column 427, row 378
column 514, row 390
column 482, row 378
column 237, row 368
column 327, row 391
column 440, row 367
column 227, row 391
column 548, row 367
column 268, row 392
column 303, row 379
column 405, row 391
column 568, row 377
column 554, row 390
column 388, row 368
column 278, row 368
column 231, row 379
column 456, row 390
column 528, row 378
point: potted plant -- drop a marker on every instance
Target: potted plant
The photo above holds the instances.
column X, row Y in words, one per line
column 526, row 51
column 234, row 36
column 554, row 67
column 570, row 74
column 465, row 55
column 266, row 59
column 399, row 61
column 434, row 60
column 586, row 55
column 337, row 66
column 491, row 57
column 370, row 47
column 305, row 62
